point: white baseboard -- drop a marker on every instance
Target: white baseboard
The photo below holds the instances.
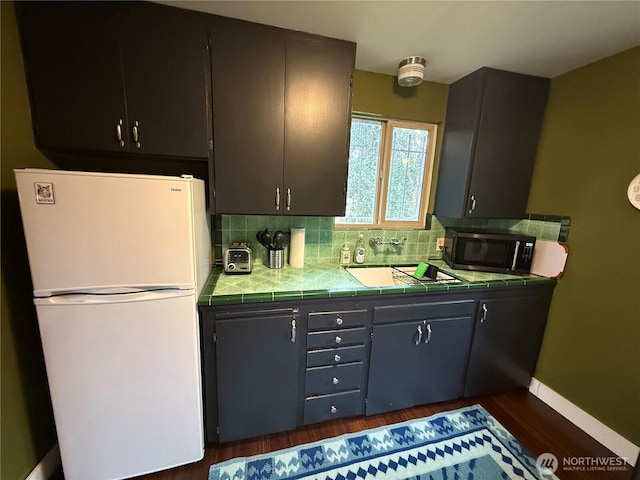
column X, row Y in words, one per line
column 47, row 465
column 615, row 442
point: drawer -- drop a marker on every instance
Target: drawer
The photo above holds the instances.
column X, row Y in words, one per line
column 335, row 378
column 336, row 338
column 338, row 405
column 423, row 311
column 334, row 356
column 337, row 319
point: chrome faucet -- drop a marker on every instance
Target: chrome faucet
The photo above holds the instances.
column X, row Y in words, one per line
column 377, row 241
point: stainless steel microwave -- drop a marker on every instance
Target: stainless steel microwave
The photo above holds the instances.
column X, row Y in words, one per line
column 488, row 251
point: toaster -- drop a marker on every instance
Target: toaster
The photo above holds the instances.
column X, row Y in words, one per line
column 237, row 258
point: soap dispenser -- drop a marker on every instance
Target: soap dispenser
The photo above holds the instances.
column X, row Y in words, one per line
column 345, row 255
column 359, row 251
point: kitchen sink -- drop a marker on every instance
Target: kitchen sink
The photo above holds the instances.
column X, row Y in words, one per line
column 392, row 276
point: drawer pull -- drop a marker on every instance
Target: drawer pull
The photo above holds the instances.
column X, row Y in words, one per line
column 338, row 321
column 338, row 339
column 333, row 409
column 336, row 357
column 335, row 380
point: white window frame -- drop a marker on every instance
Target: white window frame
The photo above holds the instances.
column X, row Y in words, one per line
column 384, row 158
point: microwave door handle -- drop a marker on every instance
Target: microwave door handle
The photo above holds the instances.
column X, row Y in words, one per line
column 515, row 255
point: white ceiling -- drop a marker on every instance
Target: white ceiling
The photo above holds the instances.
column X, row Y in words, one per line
column 546, row 38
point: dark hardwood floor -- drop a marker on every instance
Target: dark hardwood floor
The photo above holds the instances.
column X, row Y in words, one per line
column 538, row 427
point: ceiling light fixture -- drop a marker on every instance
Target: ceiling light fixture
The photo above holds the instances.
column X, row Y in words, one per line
column 411, row 71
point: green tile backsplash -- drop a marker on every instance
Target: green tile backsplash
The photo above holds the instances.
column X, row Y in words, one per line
column 323, row 242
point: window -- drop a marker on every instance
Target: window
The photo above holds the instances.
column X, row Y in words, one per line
column 390, row 165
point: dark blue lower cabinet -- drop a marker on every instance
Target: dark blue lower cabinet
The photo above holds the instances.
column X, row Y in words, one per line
column 270, row 368
column 507, row 339
column 257, row 365
column 209, row 382
column 420, row 361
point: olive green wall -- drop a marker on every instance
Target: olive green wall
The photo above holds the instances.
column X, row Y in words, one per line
column 27, row 421
column 380, row 94
column 588, row 153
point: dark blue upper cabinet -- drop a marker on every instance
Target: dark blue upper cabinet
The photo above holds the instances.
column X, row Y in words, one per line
column 110, row 77
column 490, row 143
column 248, row 115
column 72, row 61
column 281, row 120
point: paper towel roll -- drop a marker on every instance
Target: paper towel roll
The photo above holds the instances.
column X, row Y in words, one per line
column 296, row 248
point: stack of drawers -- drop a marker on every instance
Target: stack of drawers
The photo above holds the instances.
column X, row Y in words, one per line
column 337, row 352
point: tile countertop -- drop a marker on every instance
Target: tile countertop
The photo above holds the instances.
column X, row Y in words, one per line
column 330, row 281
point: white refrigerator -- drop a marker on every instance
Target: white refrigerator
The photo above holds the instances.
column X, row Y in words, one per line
column 117, row 263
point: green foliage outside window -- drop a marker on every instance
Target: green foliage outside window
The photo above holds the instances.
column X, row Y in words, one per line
column 393, row 152
column 404, row 194
column 364, row 157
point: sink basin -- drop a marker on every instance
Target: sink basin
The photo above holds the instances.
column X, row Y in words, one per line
column 395, row 276
column 373, row 276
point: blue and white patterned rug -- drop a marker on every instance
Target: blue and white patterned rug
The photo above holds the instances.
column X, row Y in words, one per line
column 461, row 444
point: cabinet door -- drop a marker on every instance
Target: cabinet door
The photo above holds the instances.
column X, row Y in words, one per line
column 72, row 60
column 319, row 74
column 248, row 117
column 416, row 363
column 257, row 372
column 418, row 353
column 443, row 359
column 512, row 109
column 209, row 380
column 507, row 339
column 165, row 58
column 394, row 372
column 463, row 105
column 490, row 144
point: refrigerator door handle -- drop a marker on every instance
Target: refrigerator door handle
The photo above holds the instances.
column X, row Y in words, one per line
column 93, row 298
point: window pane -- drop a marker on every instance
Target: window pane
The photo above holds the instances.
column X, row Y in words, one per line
column 406, row 172
column 362, row 182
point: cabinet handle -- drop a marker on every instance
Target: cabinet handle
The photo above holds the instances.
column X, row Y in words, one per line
column 336, row 357
column 333, row 409
column 484, row 313
column 293, row 331
column 288, row 199
column 338, row 321
column 338, row 339
column 419, row 340
column 134, row 131
column 335, row 380
column 119, row 132
column 277, row 198
column 428, row 339
column 473, row 204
